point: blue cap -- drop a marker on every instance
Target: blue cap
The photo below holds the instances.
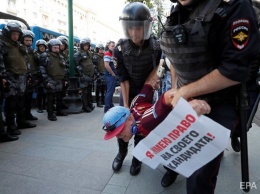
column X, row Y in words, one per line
column 114, row 121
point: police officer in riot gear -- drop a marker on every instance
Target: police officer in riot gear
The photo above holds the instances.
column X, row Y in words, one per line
column 15, row 76
column 41, row 47
column 53, row 70
column 4, row 135
column 85, row 73
column 137, row 55
column 64, row 47
column 99, row 73
column 64, row 51
column 32, row 61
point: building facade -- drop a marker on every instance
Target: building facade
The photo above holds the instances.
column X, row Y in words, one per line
column 53, row 15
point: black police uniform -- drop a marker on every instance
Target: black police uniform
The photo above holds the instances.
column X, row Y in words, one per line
column 41, row 92
column 32, row 81
column 52, row 69
column 135, row 64
column 12, row 55
column 226, row 39
column 85, row 73
column 98, row 61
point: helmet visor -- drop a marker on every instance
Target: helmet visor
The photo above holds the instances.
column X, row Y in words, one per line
column 130, row 25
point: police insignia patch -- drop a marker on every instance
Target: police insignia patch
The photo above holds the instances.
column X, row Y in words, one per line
column 240, row 29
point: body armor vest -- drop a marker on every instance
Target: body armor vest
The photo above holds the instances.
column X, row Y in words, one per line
column 32, row 62
column 56, row 67
column 15, row 60
column 192, row 59
column 65, row 55
column 86, row 63
column 101, row 64
column 139, row 62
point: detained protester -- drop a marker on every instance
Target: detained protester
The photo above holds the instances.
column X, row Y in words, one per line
column 144, row 116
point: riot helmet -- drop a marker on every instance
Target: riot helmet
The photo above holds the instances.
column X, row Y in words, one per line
column 27, row 33
column 41, row 42
column 136, row 14
column 99, row 46
column 84, row 41
column 64, row 40
column 11, row 27
column 53, row 42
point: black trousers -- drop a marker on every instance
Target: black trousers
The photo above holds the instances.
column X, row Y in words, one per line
column 203, row 181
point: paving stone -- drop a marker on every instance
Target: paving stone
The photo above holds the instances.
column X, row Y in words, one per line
column 71, row 156
column 56, row 153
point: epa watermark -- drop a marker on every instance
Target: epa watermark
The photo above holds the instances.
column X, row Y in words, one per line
column 248, row 185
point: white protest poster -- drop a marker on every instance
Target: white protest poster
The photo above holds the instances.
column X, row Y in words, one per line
column 183, row 142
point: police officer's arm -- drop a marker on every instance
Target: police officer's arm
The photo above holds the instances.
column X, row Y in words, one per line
column 123, row 75
column 237, row 43
column 125, row 92
column 2, row 65
column 173, row 76
column 212, row 82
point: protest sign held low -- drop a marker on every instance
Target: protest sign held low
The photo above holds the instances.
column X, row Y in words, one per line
column 183, row 142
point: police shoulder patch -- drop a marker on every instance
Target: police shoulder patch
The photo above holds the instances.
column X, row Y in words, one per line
column 240, row 29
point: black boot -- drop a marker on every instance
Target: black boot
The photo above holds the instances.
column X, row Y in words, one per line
column 61, row 113
column 135, row 167
column 7, row 137
column 21, row 115
column 118, row 161
column 169, row 178
column 136, row 164
column 99, row 104
column 235, row 143
column 59, row 107
column 30, row 117
column 91, row 106
column 50, row 108
column 12, row 129
column 24, row 124
column 89, row 98
column 85, row 102
column 28, row 107
column 103, row 90
column 87, row 109
column 39, row 99
column 10, row 110
column 39, row 110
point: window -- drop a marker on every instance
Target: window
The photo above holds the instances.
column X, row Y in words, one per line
column 11, row 4
column 34, row 15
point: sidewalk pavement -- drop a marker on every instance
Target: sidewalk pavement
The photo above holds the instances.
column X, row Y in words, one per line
column 70, row 156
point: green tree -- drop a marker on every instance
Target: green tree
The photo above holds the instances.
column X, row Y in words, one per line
column 157, row 26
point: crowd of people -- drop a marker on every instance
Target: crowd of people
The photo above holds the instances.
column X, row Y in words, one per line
column 205, row 52
column 40, row 77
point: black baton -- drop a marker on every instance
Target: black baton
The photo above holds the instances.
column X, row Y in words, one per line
column 243, row 106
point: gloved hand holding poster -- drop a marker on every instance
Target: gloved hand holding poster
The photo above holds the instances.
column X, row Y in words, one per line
column 183, row 142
